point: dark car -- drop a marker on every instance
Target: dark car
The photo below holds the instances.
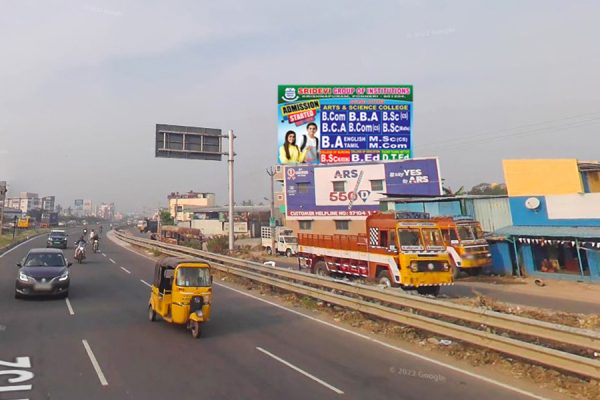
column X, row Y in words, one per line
column 43, row 272
column 57, row 239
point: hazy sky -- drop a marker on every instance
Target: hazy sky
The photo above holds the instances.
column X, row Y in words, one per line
column 82, row 85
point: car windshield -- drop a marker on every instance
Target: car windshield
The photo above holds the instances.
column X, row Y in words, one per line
column 193, row 277
column 45, row 260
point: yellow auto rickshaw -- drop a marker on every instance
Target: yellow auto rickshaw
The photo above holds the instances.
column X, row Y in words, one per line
column 181, row 292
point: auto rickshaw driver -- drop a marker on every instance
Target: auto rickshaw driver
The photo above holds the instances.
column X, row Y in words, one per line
column 181, row 292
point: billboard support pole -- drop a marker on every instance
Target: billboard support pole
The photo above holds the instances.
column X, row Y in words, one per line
column 231, row 196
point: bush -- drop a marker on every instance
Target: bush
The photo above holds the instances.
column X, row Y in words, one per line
column 218, row 244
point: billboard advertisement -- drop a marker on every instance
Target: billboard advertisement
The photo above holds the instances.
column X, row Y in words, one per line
column 353, row 191
column 332, row 124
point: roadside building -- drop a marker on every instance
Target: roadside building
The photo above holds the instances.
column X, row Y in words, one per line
column 26, row 202
column 180, row 201
column 214, row 220
column 48, row 203
column 555, row 209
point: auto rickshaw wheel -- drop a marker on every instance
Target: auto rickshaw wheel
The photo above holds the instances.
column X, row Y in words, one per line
column 151, row 313
column 195, row 329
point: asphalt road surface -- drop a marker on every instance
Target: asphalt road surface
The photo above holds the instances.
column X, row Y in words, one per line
column 99, row 344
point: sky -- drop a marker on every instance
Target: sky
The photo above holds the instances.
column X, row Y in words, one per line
column 83, row 84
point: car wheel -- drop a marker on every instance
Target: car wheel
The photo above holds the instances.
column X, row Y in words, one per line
column 269, row 251
column 288, row 253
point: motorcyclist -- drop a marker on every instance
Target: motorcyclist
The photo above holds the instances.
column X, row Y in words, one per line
column 80, row 245
column 94, row 237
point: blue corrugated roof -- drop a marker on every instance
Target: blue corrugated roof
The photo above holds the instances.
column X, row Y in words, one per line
column 587, row 232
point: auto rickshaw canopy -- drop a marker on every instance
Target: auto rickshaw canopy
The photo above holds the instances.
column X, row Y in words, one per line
column 171, row 263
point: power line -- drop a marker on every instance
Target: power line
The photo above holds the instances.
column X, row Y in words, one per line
column 531, row 132
column 481, row 136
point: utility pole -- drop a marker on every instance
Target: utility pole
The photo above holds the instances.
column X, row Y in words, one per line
column 2, row 198
column 231, row 154
column 271, row 173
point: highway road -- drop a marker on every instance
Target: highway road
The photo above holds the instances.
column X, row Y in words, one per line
column 99, row 344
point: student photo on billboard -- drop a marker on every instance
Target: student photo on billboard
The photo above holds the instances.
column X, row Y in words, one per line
column 289, row 153
column 309, row 144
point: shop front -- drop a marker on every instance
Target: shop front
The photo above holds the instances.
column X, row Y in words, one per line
column 571, row 253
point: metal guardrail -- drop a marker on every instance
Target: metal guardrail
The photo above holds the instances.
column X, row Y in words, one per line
column 302, row 283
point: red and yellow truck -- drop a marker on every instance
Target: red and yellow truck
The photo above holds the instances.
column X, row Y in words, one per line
column 470, row 252
column 397, row 249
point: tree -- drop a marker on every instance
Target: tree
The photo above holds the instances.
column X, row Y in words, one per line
column 489, row 189
column 166, row 218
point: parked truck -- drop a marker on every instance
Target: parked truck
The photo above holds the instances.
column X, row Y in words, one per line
column 396, row 249
column 470, row 252
column 280, row 238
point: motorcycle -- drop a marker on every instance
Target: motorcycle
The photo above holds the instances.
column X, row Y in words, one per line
column 80, row 252
column 95, row 246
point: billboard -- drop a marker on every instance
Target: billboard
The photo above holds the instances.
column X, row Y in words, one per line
column 329, row 124
column 353, row 191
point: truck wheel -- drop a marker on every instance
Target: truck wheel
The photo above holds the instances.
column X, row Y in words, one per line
column 288, row 253
column 383, row 278
column 429, row 290
column 321, row 269
column 269, row 251
column 473, row 271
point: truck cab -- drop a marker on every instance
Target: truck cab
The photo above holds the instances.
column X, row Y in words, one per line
column 466, row 245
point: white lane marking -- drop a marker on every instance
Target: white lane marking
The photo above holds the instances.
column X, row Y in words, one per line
column 392, row 347
column 104, row 254
column 314, row 378
column 112, row 261
column 145, row 283
column 126, row 270
column 384, row 344
column 19, row 245
column 95, row 364
column 69, row 306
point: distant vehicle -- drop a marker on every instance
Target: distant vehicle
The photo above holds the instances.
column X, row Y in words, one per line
column 147, row 225
column 43, row 272
column 180, row 235
column 84, row 222
column 142, row 225
column 24, row 222
column 285, row 241
column 465, row 243
column 57, row 238
column 61, row 223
